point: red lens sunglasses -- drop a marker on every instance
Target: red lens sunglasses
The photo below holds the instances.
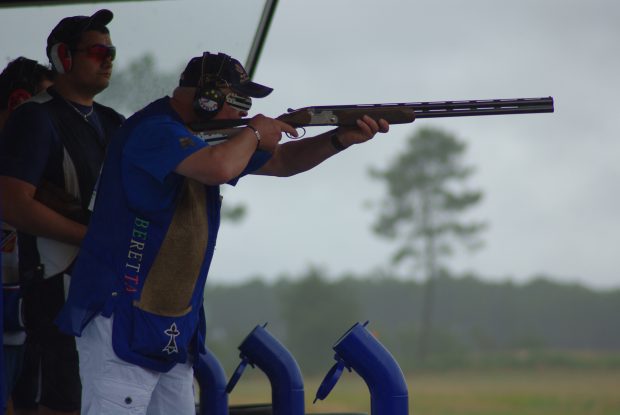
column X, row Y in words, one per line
column 99, row 52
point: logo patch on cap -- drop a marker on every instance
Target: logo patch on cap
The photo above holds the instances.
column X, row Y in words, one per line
column 243, row 76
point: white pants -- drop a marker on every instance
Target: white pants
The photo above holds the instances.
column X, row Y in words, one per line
column 111, row 386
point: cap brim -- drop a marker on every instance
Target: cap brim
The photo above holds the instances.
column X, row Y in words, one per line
column 100, row 18
column 252, row 89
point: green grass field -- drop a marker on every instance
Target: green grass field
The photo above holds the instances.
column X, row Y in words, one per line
column 501, row 392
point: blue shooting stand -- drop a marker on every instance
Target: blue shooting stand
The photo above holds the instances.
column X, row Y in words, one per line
column 356, row 350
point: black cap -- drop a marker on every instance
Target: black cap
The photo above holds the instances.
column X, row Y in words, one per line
column 69, row 29
column 222, row 69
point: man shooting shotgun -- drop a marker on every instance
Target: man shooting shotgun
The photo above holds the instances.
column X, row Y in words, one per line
column 136, row 296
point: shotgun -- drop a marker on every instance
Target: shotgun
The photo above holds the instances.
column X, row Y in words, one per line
column 397, row 113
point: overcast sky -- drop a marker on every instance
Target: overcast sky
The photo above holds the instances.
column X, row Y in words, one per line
column 550, row 181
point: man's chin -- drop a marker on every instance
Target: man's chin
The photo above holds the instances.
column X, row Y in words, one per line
column 101, row 86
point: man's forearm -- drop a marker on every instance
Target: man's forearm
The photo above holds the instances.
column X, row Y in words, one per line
column 33, row 217
column 298, row 156
column 215, row 165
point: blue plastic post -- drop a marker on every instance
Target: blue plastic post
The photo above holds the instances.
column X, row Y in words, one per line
column 287, row 385
column 212, row 380
column 360, row 350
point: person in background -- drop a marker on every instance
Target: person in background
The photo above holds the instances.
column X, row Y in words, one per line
column 51, row 152
column 136, row 298
column 19, row 81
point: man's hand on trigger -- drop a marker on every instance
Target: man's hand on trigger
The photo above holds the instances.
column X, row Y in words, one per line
column 270, row 131
column 366, row 129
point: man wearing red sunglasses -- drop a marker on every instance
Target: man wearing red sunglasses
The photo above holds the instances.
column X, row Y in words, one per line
column 51, row 151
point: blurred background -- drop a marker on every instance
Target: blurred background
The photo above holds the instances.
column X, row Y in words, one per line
column 495, row 267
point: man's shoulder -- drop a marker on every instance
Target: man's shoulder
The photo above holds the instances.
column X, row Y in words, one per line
column 32, row 117
column 157, row 114
column 160, row 108
column 38, row 109
column 47, row 103
column 109, row 111
column 36, row 106
column 41, row 98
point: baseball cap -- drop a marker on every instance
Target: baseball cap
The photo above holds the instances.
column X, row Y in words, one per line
column 69, row 29
column 222, row 68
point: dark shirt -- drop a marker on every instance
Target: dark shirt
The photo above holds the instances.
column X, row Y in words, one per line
column 52, row 144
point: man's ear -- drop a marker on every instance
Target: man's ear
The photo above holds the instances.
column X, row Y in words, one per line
column 17, row 97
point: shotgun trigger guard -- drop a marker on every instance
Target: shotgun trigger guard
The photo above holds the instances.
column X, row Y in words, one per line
column 303, row 134
column 323, row 117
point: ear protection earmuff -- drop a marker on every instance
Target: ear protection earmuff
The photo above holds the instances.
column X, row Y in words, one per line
column 209, row 99
column 60, row 57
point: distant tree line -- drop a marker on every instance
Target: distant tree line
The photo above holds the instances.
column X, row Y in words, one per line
column 476, row 322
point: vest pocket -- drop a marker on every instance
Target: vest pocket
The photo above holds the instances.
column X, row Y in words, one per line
column 161, row 337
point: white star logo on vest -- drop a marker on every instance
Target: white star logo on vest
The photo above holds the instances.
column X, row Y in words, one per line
column 173, row 332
